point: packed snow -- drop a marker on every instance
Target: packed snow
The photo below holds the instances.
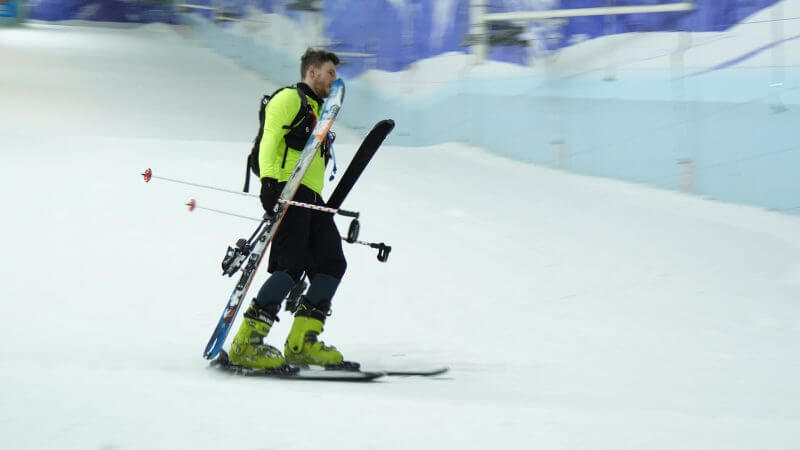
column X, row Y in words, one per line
column 573, row 312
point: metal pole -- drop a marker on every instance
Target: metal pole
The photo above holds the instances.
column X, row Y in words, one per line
column 584, row 12
column 777, row 60
column 477, row 27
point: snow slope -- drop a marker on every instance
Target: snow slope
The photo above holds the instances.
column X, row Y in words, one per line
column 574, row 312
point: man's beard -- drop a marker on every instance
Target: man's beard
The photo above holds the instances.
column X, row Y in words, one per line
column 322, row 90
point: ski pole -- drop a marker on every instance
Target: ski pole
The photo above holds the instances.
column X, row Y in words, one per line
column 192, row 204
column 325, row 209
column 148, row 175
column 352, row 232
column 383, row 249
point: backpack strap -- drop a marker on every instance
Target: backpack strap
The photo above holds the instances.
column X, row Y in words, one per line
column 301, row 112
column 298, row 118
column 252, row 158
column 250, row 164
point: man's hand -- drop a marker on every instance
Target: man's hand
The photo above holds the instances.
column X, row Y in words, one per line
column 270, row 191
column 327, row 145
column 329, row 138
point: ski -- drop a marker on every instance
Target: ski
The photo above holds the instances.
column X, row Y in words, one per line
column 350, row 366
column 363, row 155
column 416, row 373
column 294, row 373
column 248, row 253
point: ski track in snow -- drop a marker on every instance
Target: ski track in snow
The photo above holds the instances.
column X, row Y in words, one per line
column 574, row 312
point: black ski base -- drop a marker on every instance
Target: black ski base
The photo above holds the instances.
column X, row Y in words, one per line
column 295, row 373
column 363, row 155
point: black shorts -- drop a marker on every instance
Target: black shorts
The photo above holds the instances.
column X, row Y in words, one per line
column 307, row 240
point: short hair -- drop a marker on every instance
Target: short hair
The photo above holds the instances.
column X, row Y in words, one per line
column 316, row 57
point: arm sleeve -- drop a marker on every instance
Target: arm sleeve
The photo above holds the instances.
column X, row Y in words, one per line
column 280, row 111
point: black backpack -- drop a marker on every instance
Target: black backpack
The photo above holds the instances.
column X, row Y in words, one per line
column 296, row 136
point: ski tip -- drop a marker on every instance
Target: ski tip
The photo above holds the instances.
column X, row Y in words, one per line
column 192, row 204
column 389, row 123
column 337, row 375
column 419, row 373
column 340, row 82
column 148, row 174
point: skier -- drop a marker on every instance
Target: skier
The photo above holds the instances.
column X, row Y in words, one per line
column 306, row 240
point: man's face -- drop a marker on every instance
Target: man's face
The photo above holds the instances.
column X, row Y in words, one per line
column 322, row 78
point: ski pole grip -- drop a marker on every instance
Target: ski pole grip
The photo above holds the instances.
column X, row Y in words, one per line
column 352, row 232
column 383, row 251
column 353, row 214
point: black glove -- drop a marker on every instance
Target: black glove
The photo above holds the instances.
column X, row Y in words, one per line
column 270, row 191
column 326, row 145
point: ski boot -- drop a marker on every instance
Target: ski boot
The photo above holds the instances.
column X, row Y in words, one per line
column 248, row 348
column 302, row 346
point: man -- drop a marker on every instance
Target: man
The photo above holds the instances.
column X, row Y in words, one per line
column 306, row 240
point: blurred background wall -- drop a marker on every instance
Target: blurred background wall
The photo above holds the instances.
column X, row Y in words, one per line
column 135, row 11
column 703, row 100
column 11, row 12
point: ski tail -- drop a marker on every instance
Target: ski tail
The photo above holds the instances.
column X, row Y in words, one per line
column 363, row 155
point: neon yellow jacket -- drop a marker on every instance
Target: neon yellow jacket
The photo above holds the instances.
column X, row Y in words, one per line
column 280, row 111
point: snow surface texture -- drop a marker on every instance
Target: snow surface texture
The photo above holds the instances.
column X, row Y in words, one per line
column 574, row 312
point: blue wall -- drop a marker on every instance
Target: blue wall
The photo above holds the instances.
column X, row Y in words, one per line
column 739, row 134
column 141, row 11
column 401, row 36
